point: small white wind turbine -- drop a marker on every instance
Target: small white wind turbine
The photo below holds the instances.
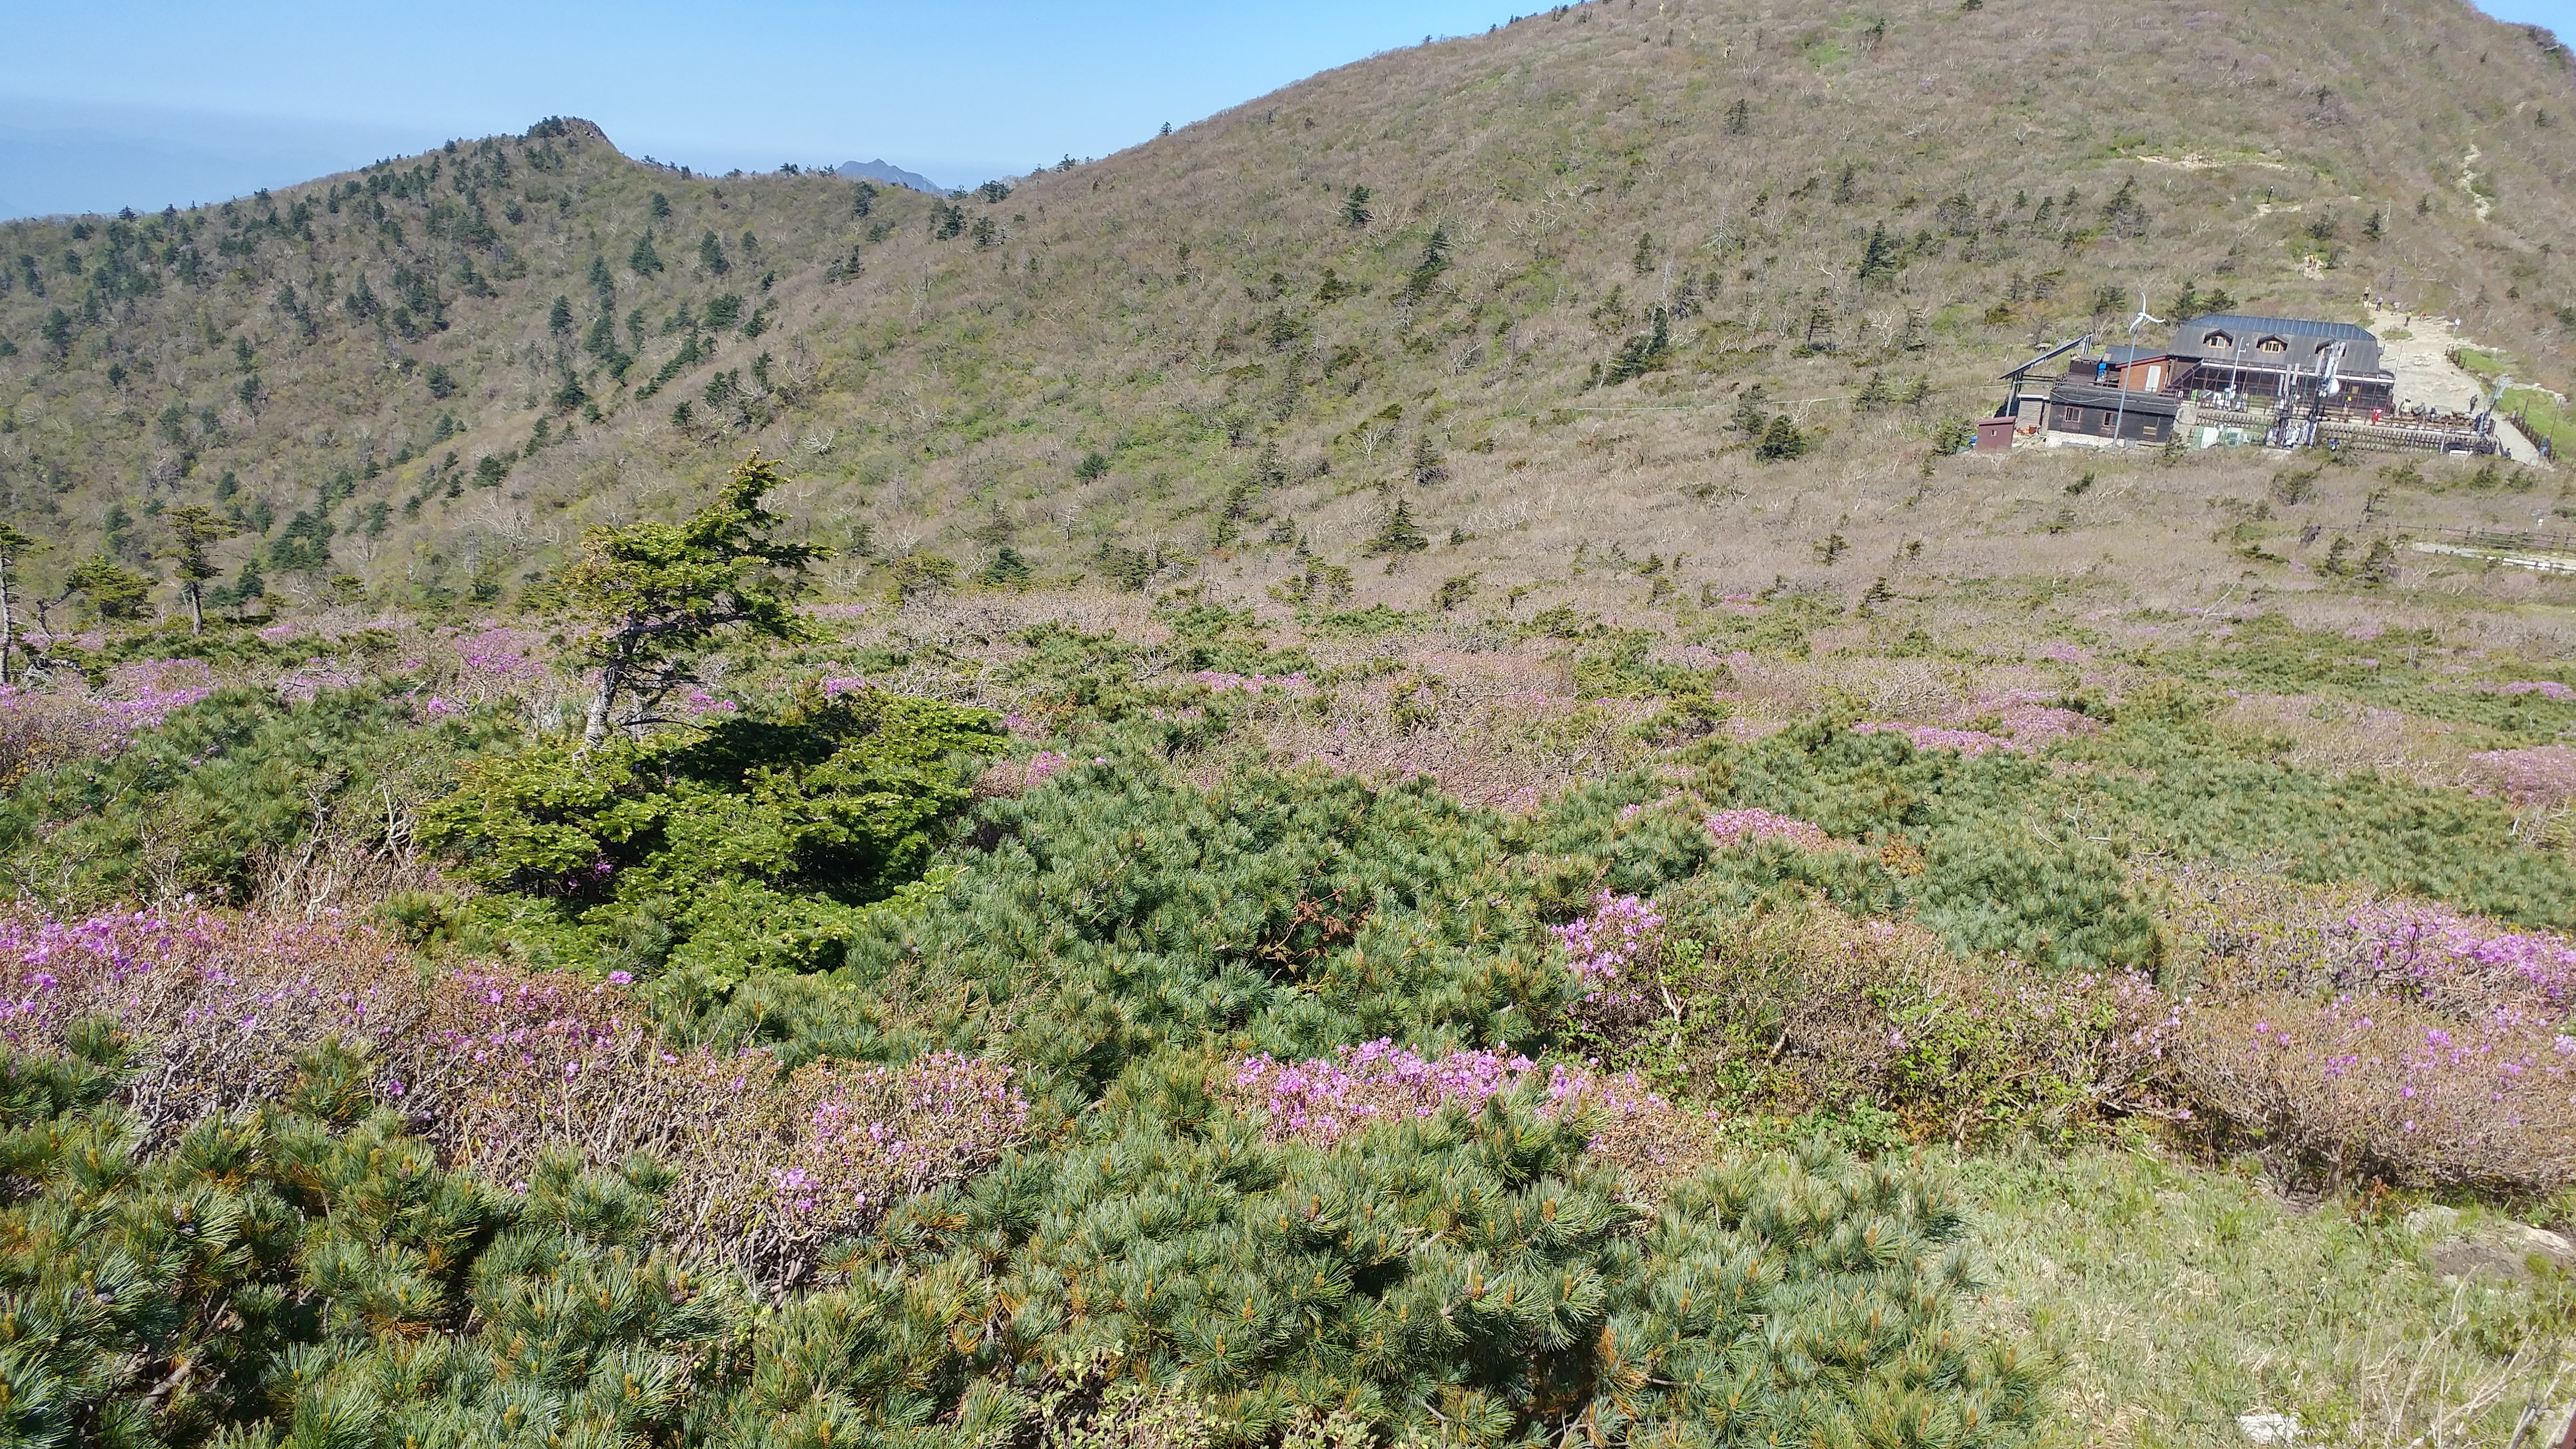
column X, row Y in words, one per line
column 2142, row 318
column 2120, row 415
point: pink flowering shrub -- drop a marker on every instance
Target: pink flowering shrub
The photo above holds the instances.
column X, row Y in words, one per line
column 2544, row 776
column 2549, row 689
column 1617, row 940
column 219, row 1008
column 1753, row 825
column 1613, row 952
column 2360, row 1085
column 1324, row 1102
column 301, row 684
column 2010, row 719
column 1970, row 743
column 49, row 725
column 1805, row 1008
column 494, row 1068
column 2037, row 726
column 469, row 668
column 43, row 728
column 1015, row 777
column 2363, row 1036
column 1496, row 729
column 1219, row 681
column 2431, row 955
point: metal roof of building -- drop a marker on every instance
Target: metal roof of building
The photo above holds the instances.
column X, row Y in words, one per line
column 2160, row 404
column 2293, row 326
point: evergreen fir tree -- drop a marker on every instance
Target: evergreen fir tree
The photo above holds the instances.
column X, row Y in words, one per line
column 15, row 545
column 1008, row 569
column 1879, row 261
column 1398, row 534
column 650, row 596
column 1781, row 441
column 1428, row 466
column 194, row 529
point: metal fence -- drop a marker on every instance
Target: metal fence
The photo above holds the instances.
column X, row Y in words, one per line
column 2526, row 540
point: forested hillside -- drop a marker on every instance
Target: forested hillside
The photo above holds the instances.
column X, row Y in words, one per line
column 1794, row 247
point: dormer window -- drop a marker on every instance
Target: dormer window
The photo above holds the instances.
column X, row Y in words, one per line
column 2218, row 340
column 2271, row 344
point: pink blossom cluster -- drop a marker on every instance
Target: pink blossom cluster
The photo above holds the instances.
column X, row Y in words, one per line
column 142, row 696
column 2037, row 726
column 2543, row 776
column 138, row 697
column 1753, row 824
column 1325, row 1101
column 1970, row 743
column 874, row 1135
column 1014, row 777
column 1220, row 681
column 698, row 702
column 1620, row 933
column 501, row 656
column 2385, row 1036
column 2428, row 954
column 495, row 1067
column 489, row 664
column 836, row 685
column 2418, row 1095
column 2549, row 689
column 2062, row 652
column 224, row 1007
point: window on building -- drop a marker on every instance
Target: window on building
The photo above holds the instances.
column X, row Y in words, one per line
column 2271, row 344
column 2219, row 340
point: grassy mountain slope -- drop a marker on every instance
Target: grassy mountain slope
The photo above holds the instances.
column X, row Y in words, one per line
column 1198, row 355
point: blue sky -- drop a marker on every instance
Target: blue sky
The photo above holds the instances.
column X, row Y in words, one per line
column 144, row 102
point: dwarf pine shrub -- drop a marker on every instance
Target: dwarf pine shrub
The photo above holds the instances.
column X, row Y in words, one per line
column 717, row 849
column 1474, row 1277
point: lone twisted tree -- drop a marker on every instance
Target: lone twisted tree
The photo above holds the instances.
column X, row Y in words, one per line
column 194, row 529
column 650, row 596
column 14, row 545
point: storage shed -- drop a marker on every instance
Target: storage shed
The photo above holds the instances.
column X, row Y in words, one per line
column 2082, row 413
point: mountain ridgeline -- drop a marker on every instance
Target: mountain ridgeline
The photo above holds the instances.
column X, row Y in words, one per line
column 1392, row 293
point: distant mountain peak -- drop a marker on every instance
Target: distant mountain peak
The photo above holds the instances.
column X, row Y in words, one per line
column 570, row 128
column 889, row 172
